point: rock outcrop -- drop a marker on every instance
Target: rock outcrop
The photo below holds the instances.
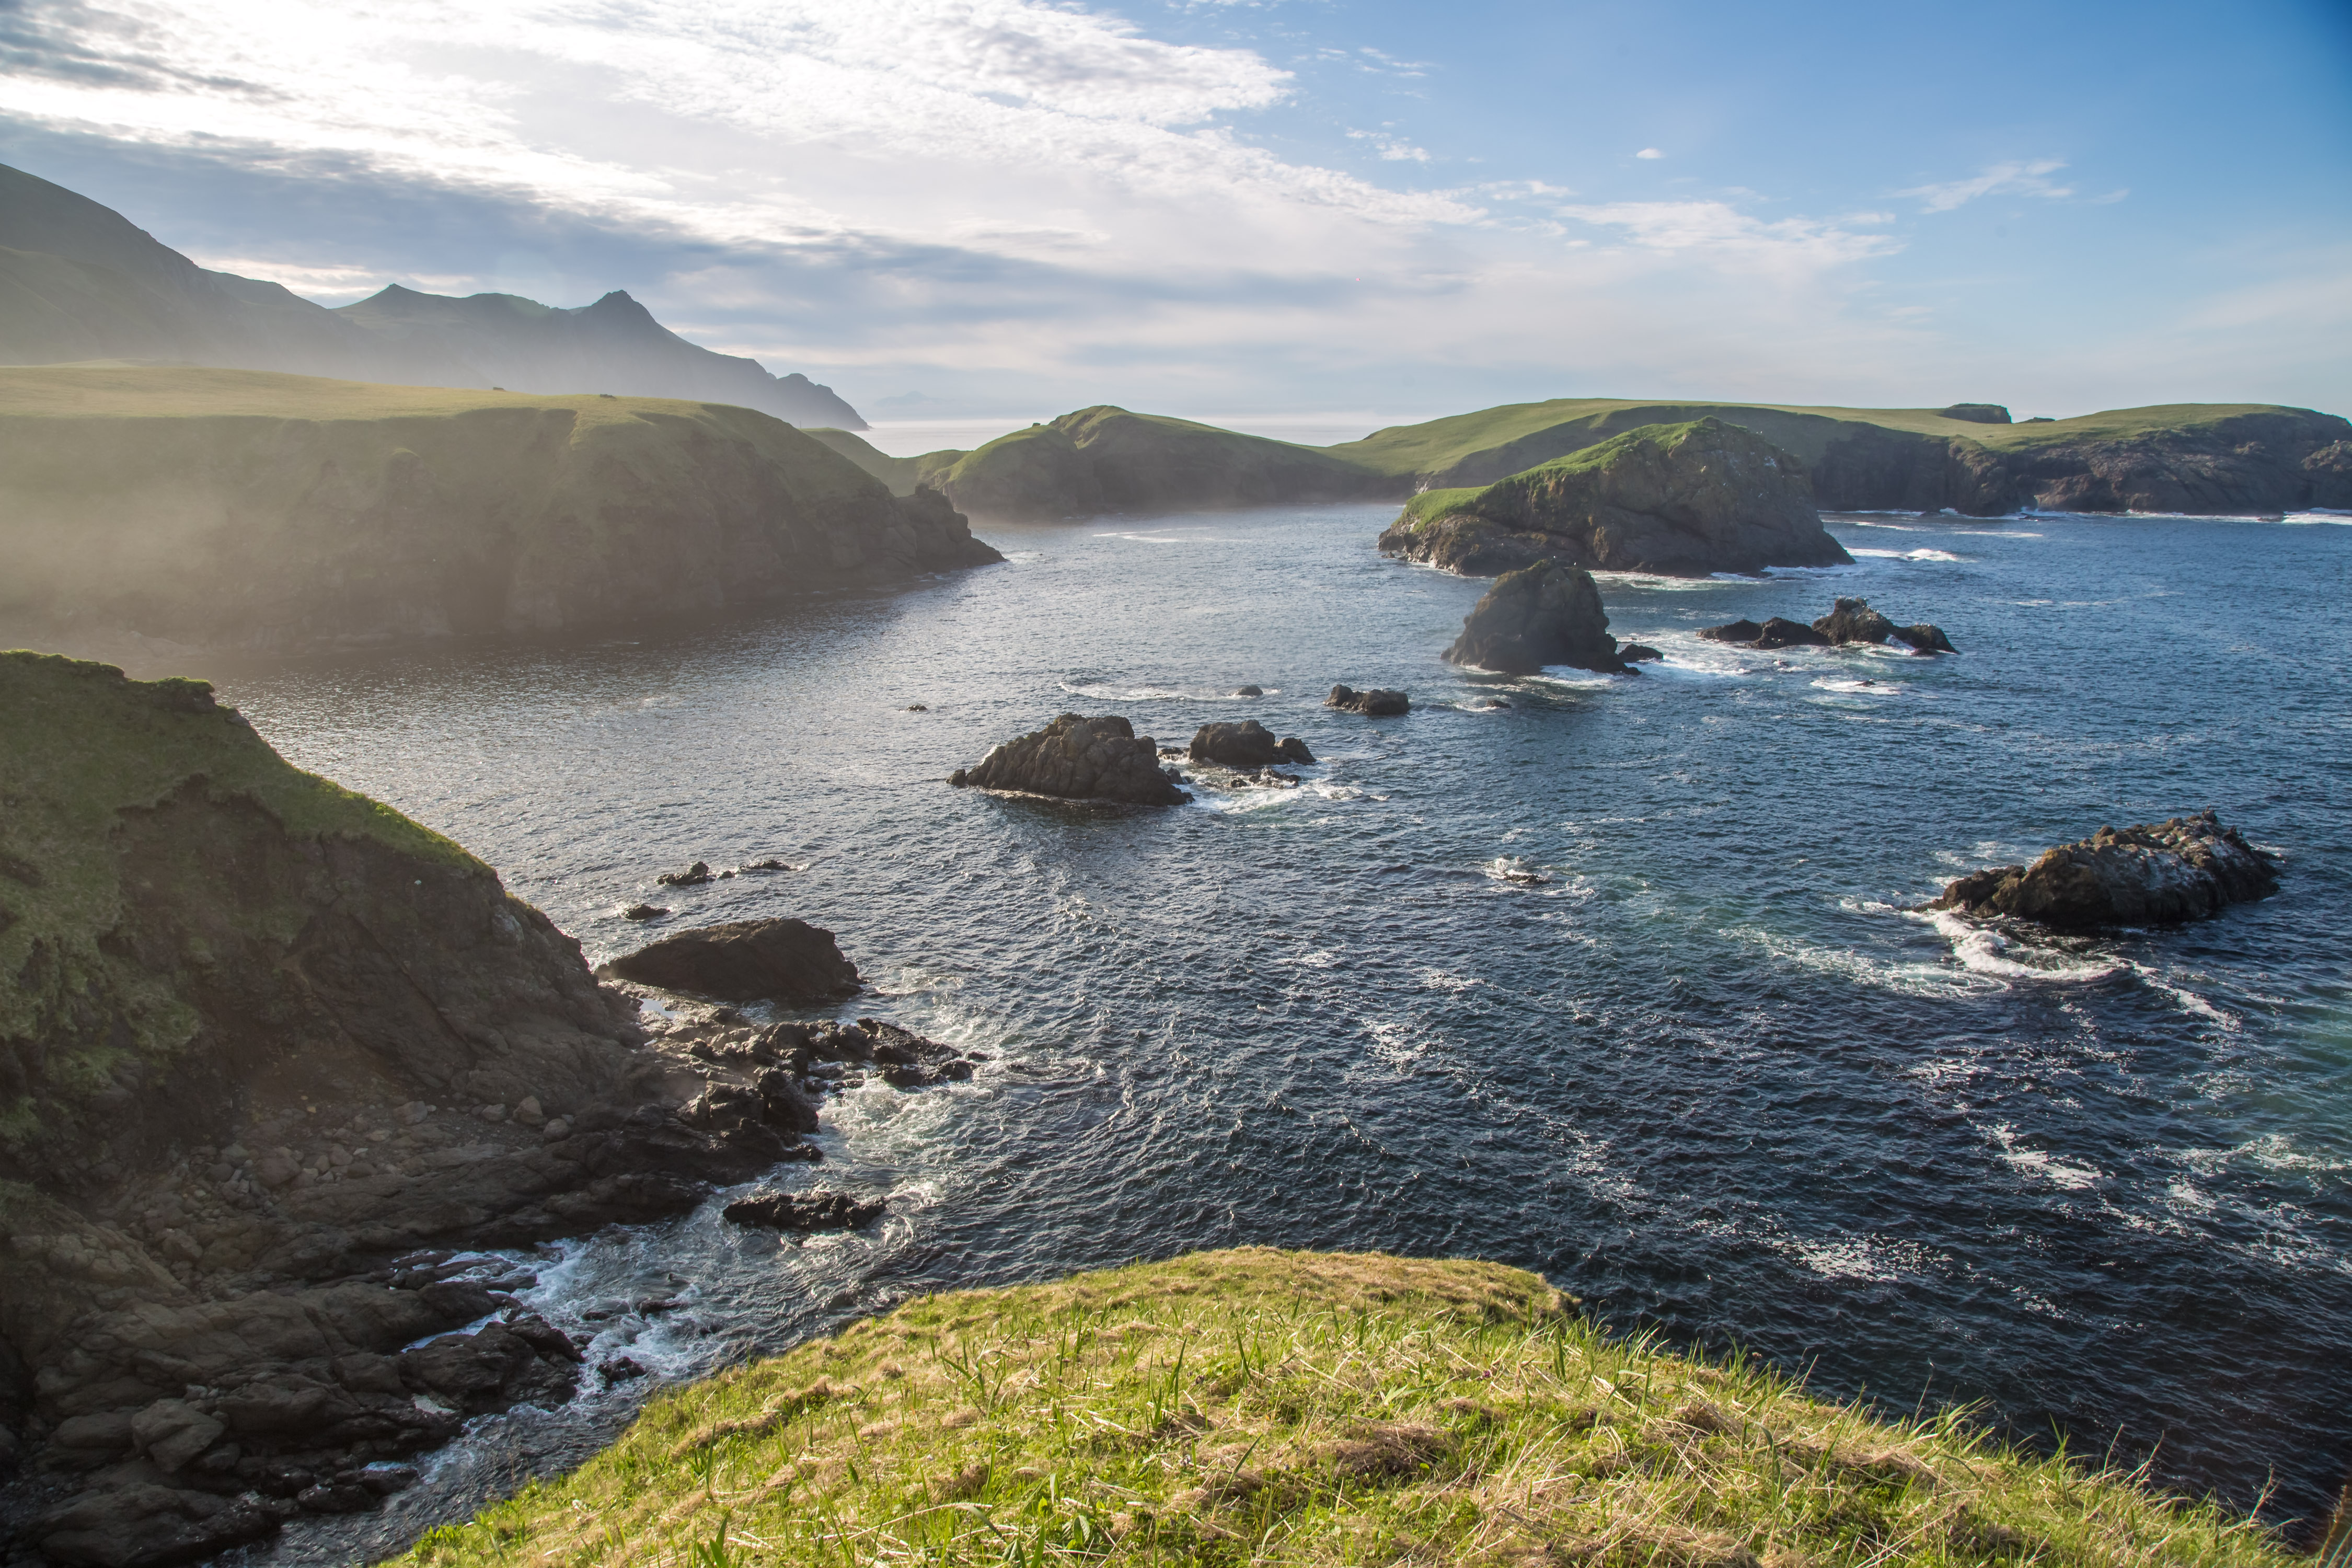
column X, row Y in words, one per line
column 1077, row 758
column 220, row 509
column 1378, row 703
column 1849, row 621
column 1248, row 745
column 1542, row 614
column 2157, row 874
column 271, row 1058
column 743, row 960
column 805, row 1211
column 1681, row 499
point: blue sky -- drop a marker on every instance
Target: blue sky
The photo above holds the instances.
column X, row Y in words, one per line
column 1011, row 207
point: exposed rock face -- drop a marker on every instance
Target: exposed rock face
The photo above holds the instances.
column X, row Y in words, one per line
column 743, row 960
column 236, row 508
column 1546, row 614
column 1380, row 702
column 1077, row 758
column 1684, row 499
column 270, row 1052
column 805, row 1211
column 1248, row 745
column 2182, row 870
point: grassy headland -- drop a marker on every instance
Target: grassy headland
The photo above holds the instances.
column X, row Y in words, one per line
column 1257, row 1407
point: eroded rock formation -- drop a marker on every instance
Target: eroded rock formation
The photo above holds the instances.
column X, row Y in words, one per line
column 1542, row 614
column 2152, row 874
column 1248, row 745
column 1077, row 758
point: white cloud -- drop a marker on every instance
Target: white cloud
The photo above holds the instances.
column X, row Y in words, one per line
column 1394, row 149
column 1720, row 231
column 2024, row 179
column 1649, row 153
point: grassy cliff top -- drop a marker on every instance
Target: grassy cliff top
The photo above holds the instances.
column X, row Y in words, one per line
column 1257, row 1407
column 1430, row 505
column 101, row 389
column 81, row 744
column 1439, row 443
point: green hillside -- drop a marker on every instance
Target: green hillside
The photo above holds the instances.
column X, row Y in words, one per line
column 1265, row 1407
column 901, row 474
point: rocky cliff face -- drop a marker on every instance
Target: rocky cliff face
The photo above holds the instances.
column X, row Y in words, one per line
column 225, row 508
column 1108, row 460
column 268, row 1051
column 1685, row 500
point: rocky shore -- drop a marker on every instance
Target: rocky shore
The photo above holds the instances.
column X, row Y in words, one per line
column 1681, row 499
column 2152, row 874
column 273, row 1059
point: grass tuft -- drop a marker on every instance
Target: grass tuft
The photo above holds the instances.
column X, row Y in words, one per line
column 1356, row 1411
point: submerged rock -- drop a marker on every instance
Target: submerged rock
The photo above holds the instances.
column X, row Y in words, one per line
column 1380, row 702
column 805, row 1211
column 1075, row 758
column 694, row 875
column 1248, row 745
column 2182, row 870
column 1542, row 614
column 1249, row 692
column 744, row 960
column 1687, row 499
column 644, row 913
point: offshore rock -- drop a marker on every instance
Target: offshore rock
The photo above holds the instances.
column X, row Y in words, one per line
column 1852, row 620
column 1542, row 614
column 1778, row 633
column 805, row 1211
column 1077, row 758
column 1742, row 631
column 2186, row 868
column 1925, row 638
column 1380, row 702
column 744, row 960
column 1685, row 500
column 1248, row 745
column 1639, row 653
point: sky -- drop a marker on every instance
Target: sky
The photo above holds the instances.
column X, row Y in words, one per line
column 1234, row 208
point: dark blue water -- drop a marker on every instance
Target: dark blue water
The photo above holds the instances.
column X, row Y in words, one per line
column 1704, row 1068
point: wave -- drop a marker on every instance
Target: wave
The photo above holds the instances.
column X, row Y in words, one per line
column 1909, row 554
column 2040, row 1164
column 1983, row 950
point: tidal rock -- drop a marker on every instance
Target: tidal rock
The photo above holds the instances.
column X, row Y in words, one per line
column 2182, row 870
column 744, row 960
column 1925, row 638
column 1852, row 620
column 694, row 875
column 1778, row 633
column 1248, row 745
column 1741, row 631
column 1687, row 499
column 644, row 913
column 1639, row 653
column 1077, row 758
column 805, row 1211
column 1542, row 614
column 1249, row 692
column 1380, row 702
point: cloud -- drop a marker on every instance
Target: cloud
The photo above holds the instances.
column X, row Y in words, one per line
column 1649, row 153
column 2001, row 179
column 1718, row 231
column 1394, row 149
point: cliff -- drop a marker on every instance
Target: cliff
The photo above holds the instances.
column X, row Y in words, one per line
column 79, row 282
column 220, row 508
column 1297, row 1407
column 261, row 1041
column 2186, row 458
column 1684, row 499
column 1107, row 459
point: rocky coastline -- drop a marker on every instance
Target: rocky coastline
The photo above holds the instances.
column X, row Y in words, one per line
column 274, row 1061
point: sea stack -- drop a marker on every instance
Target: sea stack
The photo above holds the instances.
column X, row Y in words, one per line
column 2152, row 874
column 1077, row 758
column 1542, row 614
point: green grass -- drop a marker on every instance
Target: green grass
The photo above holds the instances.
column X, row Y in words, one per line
column 101, row 389
column 79, row 745
column 1258, row 1406
column 1495, row 442
column 901, row 474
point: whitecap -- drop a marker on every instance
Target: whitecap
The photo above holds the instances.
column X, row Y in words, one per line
column 1909, row 554
column 2319, row 514
column 1862, row 688
column 2041, row 1164
column 1983, row 950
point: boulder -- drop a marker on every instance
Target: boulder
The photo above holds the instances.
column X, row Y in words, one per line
column 644, row 913
column 1075, row 758
column 1742, row 631
column 1778, row 633
column 1546, row 614
column 2181, row 869
column 805, row 1211
column 1925, row 638
column 143, row 1526
column 744, row 960
column 1248, row 745
column 1852, row 620
column 1380, row 702
column 1639, row 653
column 694, row 875
column 1685, row 500
column 1249, row 692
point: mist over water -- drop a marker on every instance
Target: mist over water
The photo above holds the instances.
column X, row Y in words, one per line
column 1617, row 983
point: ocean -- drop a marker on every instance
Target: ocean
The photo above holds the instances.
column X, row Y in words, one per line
column 1624, row 981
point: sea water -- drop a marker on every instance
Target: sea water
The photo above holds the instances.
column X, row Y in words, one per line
column 1625, row 982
